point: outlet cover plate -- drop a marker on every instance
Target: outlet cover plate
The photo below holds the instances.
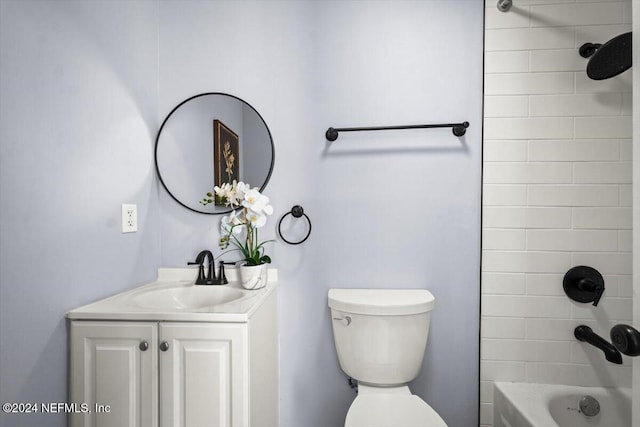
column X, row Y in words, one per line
column 129, row 218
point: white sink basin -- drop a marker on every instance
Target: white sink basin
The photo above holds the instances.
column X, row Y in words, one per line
column 193, row 297
column 174, row 297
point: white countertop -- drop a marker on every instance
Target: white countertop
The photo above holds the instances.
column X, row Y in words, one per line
column 124, row 307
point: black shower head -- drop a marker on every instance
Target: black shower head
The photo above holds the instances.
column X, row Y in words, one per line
column 610, row 59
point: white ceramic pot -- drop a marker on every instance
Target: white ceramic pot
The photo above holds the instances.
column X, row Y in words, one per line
column 253, row 276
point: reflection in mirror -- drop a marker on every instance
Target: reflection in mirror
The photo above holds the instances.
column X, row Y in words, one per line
column 208, row 139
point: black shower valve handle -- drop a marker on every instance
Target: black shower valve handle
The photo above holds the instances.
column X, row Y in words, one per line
column 599, row 290
column 588, row 285
column 584, row 284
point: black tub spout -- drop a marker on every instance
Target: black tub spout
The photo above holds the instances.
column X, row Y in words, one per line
column 586, row 334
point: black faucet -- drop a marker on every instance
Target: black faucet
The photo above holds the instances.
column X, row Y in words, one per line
column 586, row 334
column 210, row 278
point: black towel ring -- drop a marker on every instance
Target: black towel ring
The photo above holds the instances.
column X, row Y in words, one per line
column 297, row 211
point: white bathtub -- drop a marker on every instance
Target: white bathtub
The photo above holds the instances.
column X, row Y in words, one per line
column 547, row 405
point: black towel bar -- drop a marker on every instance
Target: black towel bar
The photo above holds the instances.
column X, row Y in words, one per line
column 458, row 129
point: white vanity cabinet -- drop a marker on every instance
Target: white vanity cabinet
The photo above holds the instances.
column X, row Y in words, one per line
column 206, row 370
column 175, row 373
column 108, row 366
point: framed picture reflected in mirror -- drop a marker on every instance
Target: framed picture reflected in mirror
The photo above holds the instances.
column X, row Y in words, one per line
column 226, row 153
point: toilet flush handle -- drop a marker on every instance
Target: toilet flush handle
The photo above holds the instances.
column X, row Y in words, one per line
column 346, row 320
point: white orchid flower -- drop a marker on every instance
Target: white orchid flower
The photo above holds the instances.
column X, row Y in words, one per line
column 225, row 226
column 229, row 224
column 256, row 219
column 224, row 189
column 255, row 201
column 224, row 192
column 255, row 208
column 219, row 189
column 241, row 189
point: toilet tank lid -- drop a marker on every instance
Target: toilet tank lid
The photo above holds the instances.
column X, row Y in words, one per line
column 381, row 301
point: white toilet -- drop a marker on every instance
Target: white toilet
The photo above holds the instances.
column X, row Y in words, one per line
column 380, row 337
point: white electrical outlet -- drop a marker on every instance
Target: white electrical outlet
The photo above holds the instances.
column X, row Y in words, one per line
column 129, row 218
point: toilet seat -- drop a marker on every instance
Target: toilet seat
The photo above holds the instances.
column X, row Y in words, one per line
column 392, row 410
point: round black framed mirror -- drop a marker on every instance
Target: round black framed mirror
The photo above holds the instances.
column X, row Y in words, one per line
column 209, row 139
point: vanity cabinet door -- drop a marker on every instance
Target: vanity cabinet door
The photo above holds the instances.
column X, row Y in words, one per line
column 203, row 375
column 113, row 374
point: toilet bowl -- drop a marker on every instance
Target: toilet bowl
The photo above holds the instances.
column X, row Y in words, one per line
column 380, row 337
column 395, row 407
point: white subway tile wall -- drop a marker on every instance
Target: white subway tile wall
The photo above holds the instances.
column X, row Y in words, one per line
column 557, row 193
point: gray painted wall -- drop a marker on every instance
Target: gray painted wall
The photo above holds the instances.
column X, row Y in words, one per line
column 394, row 209
column 78, row 117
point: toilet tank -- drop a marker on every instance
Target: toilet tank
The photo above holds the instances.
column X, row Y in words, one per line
column 381, row 334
